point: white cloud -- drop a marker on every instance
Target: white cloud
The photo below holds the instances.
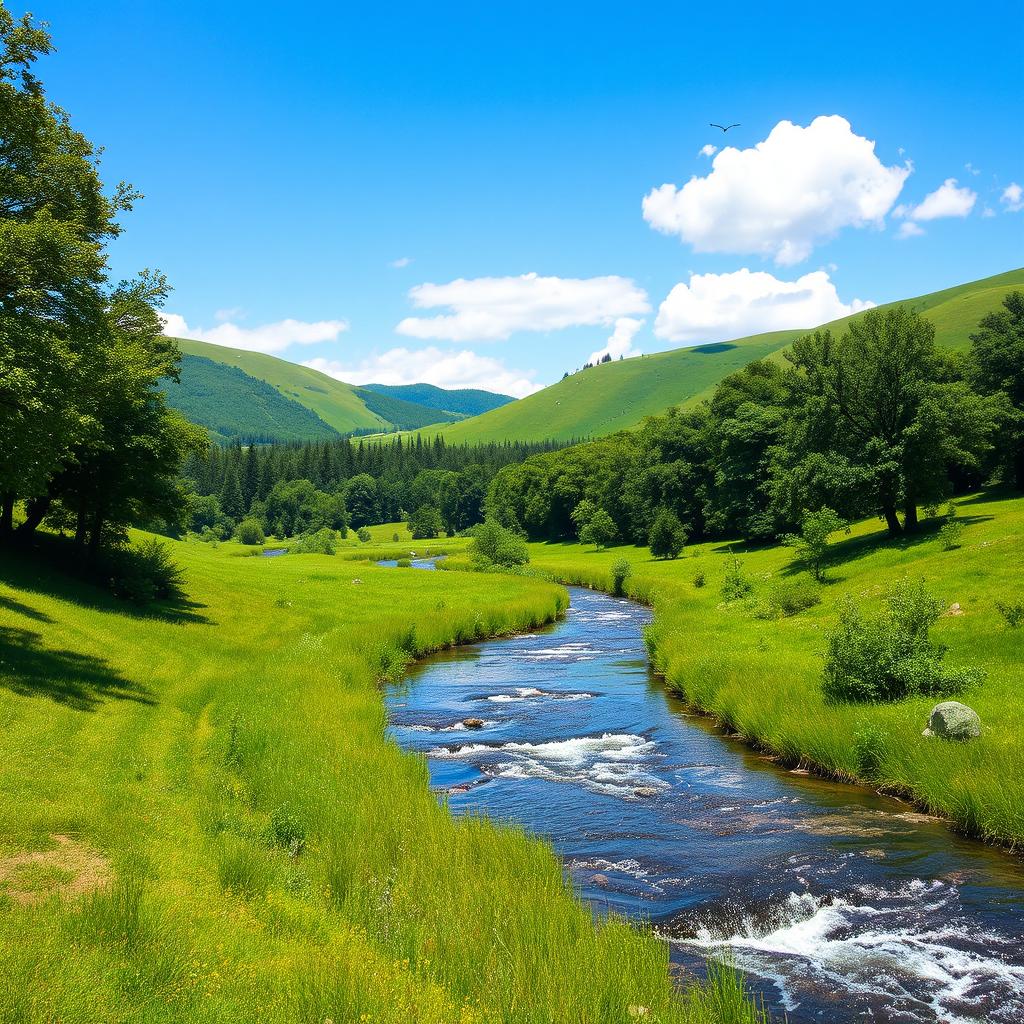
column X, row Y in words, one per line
column 234, row 313
column 908, row 229
column 708, row 150
column 268, row 338
column 1013, row 198
column 971, row 169
column 621, row 341
column 988, row 212
column 946, row 201
column 431, row 365
column 795, row 189
column 492, row 308
column 402, row 261
column 716, row 307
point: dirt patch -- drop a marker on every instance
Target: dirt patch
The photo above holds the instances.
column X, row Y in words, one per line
column 70, row 869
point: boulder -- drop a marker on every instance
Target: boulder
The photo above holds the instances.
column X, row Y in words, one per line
column 473, row 723
column 952, row 720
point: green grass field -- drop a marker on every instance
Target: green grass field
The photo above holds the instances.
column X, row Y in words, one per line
column 762, row 677
column 618, row 395
column 202, row 820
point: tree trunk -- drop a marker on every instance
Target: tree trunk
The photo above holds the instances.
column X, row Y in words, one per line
column 80, row 529
column 6, row 514
column 910, row 515
column 34, row 513
column 892, row 520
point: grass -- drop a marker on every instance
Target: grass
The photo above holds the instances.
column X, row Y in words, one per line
column 618, row 395
column 760, row 674
column 260, row 851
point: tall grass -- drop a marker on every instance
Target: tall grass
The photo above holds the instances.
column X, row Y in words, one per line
column 274, row 857
column 760, row 673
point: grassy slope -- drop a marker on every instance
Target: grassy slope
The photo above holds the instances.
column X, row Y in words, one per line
column 272, row 856
column 762, row 677
column 618, row 395
column 464, row 401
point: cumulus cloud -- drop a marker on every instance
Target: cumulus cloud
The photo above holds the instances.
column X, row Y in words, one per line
column 715, row 307
column 268, row 338
column 782, row 197
column 908, row 229
column 431, row 365
column 946, row 201
column 708, row 150
column 402, row 261
column 1012, row 198
column 492, row 308
column 621, row 341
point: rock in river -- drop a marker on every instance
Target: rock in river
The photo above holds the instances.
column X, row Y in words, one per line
column 473, row 723
column 952, row 720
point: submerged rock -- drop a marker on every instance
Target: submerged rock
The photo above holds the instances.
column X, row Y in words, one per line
column 645, row 791
column 473, row 723
column 952, row 720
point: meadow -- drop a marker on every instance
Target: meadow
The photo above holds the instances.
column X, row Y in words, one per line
column 203, row 820
column 760, row 673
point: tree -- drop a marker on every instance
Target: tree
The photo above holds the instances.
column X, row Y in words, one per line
column 997, row 349
column 668, row 535
column 425, row 523
column 231, row 500
column 811, row 543
column 362, row 500
column 582, row 514
column 599, row 531
column 495, row 544
column 250, row 531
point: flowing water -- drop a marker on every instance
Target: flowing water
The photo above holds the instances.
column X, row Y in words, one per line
column 837, row 903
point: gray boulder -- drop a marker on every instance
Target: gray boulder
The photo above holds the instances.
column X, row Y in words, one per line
column 952, row 720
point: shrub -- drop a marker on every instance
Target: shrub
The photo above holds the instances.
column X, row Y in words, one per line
column 950, row 534
column 286, row 831
column 496, row 545
column 811, row 543
column 699, row 580
column 249, row 531
column 363, row 534
column 404, row 563
column 668, row 535
column 735, row 586
column 1012, row 613
column 789, row 597
column 144, row 573
column 890, row 656
column 621, row 571
column 320, row 542
column 395, row 537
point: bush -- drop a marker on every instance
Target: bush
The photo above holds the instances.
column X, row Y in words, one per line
column 404, row 563
column 699, row 580
column 735, row 586
column 668, row 535
column 950, row 534
column 363, row 534
column 320, row 542
column 621, row 571
column 811, row 542
column 494, row 544
column 891, row 656
column 395, row 537
column 144, row 573
column 790, row 597
column 1012, row 613
column 249, row 531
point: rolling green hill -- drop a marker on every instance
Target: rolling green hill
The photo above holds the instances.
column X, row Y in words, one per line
column 464, row 401
column 236, row 407
column 618, row 395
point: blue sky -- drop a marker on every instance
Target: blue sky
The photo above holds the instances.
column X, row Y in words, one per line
column 502, row 156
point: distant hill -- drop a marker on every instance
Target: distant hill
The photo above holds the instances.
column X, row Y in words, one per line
column 618, row 395
column 463, row 401
column 233, row 406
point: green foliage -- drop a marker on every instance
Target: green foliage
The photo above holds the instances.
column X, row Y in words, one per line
column 250, row 531
column 700, row 579
column 790, row 597
column 812, row 542
column 296, row 506
column 286, row 830
column 404, row 563
column 143, row 573
column 425, row 523
column 1012, row 612
column 494, row 544
column 668, row 535
column 621, row 571
column 869, row 741
column 599, row 530
column 950, row 534
column 891, row 656
column 735, row 585
column 364, row 535
column 315, row 542
column 461, row 401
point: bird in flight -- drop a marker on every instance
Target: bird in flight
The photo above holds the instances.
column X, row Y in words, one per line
column 724, row 128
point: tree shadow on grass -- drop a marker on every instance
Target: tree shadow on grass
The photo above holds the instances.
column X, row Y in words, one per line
column 49, row 569
column 11, row 605
column 75, row 680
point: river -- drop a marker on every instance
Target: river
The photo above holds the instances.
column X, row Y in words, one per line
column 838, row 904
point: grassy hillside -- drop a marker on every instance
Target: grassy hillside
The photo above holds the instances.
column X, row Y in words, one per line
column 464, row 401
column 618, row 395
column 201, row 819
column 761, row 674
column 236, row 407
column 403, row 414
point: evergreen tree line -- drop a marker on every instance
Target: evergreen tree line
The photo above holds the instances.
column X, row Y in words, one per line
column 876, row 421
column 295, row 488
column 87, row 442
